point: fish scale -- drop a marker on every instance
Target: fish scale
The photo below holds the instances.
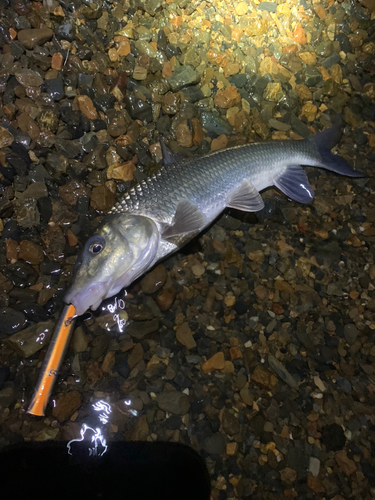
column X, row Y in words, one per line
column 209, row 180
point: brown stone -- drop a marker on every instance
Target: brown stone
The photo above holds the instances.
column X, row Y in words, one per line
column 66, row 405
column 288, row 475
column 72, row 238
column 220, row 142
column 124, row 171
column 108, row 362
column 70, row 191
column 28, row 125
column 185, row 336
column 102, row 199
column 263, row 377
column 299, row 35
column 11, row 251
column 227, row 98
column 184, row 135
column 347, row 465
column 30, row 252
column 30, row 38
column 93, row 372
column 57, row 61
column 197, row 131
column 315, row 484
column 261, row 292
column 154, row 280
column 86, row 106
column 136, row 356
column 228, row 367
column 216, row 362
column 140, row 431
column 166, row 298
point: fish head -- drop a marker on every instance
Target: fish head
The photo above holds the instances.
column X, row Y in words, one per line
column 122, row 248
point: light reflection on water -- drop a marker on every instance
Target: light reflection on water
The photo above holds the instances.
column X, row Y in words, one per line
column 117, row 308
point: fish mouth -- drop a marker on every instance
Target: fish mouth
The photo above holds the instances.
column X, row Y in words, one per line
column 86, row 298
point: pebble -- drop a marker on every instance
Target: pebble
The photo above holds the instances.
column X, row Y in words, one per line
column 154, row 280
column 350, row 333
column 185, row 336
column 182, row 77
column 11, row 321
column 216, row 362
column 31, row 340
column 30, row 252
column 66, row 404
column 173, row 402
column 30, row 38
column 79, row 340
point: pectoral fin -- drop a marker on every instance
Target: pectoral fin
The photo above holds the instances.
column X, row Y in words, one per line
column 187, row 219
column 246, row 198
column 294, row 183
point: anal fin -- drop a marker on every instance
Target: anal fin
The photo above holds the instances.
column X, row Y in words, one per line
column 246, row 198
column 294, row 183
column 188, row 218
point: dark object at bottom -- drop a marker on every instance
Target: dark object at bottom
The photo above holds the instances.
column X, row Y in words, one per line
column 136, row 470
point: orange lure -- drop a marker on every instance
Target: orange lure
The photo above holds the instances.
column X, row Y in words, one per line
column 52, row 362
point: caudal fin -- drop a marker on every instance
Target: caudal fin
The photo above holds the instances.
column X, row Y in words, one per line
column 325, row 141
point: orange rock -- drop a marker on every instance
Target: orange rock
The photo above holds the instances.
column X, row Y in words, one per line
column 197, row 131
column 86, row 106
column 176, row 21
column 288, row 475
column 299, row 34
column 123, row 48
column 216, row 362
column 57, row 61
column 227, row 98
column 354, row 295
column 237, row 34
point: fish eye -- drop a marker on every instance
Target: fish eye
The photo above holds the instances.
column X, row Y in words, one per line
column 96, row 245
column 96, row 248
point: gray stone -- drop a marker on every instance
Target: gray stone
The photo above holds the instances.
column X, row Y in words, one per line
column 314, row 466
column 214, row 445
column 282, row 372
column 183, row 76
column 31, row 340
column 174, row 402
column 350, row 333
column 312, row 76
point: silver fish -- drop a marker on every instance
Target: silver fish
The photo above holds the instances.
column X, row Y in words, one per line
column 162, row 213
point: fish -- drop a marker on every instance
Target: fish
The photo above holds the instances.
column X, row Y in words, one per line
column 166, row 210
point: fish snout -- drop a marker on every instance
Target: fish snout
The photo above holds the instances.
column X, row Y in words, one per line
column 86, row 298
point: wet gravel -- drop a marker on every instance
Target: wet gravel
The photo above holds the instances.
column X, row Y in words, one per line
column 255, row 344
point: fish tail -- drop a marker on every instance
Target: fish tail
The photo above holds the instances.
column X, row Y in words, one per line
column 324, row 142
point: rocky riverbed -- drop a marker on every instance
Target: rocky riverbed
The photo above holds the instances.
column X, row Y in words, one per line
column 255, row 344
